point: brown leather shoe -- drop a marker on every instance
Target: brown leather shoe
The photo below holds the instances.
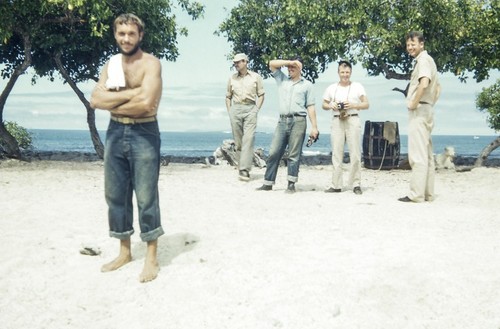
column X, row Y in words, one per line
column 333, row 190
column 244, row 175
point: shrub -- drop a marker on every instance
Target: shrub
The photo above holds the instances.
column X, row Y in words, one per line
column 23, row 137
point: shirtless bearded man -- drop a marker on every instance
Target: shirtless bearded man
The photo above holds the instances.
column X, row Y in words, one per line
column 130, row 88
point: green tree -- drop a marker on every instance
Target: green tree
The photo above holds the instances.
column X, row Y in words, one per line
column 463, row 36
column 489, row 101
column 267, row 29
column 74, row 38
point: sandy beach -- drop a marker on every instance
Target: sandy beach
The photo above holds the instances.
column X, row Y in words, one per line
column 233, row 257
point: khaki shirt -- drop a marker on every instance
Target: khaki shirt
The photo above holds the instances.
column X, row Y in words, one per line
column 424, row 67
column 245, row 89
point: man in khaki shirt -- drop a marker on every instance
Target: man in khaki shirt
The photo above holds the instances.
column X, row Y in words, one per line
column 423, row 93
column 244, row 98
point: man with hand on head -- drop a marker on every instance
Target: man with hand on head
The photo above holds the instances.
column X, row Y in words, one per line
column 244, row 98
column 296, row 99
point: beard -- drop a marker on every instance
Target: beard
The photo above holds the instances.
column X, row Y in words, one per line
column 130, row 52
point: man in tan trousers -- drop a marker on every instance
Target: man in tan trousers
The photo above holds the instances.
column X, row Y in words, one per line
column 244, row 98
column 422, row 94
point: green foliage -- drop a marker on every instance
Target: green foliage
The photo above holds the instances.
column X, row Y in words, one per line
column 75, row 38
column 23, row 137
column 489, row 100
column 80, row 32
column 462, row 36
column 268, row 29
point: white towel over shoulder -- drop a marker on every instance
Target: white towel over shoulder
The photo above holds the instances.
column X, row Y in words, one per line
column 116, row 76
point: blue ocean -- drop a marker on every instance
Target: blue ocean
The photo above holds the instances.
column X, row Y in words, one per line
column 203, row 144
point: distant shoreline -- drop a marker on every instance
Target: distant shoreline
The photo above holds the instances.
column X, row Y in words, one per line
column 311, row 160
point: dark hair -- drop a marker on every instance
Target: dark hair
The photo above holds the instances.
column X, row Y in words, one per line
column 346, row 63
column 415, row 34
column 296, row 58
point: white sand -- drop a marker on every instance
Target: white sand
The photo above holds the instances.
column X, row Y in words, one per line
column 234, row 257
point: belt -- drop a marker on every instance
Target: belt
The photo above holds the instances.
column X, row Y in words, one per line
column 347, row 115
column 132, row 121
column 244, row 103
column 291, row 115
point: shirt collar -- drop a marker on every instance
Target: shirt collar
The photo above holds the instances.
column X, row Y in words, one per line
column 422, row 53
column 242, row 75
column 298, row 81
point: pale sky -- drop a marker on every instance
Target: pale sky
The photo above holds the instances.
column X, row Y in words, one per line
column 194, row 92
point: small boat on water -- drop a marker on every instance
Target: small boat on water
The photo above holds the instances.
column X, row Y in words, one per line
column 476, row 137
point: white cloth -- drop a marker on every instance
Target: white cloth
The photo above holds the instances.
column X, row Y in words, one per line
column 389, row 132
column 116, row 76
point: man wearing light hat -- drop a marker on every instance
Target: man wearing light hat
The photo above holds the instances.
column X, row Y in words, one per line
column 244, row 98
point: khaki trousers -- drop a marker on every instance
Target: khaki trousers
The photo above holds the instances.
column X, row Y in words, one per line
column 420, row 153
column 243, row 123
column 347, row 130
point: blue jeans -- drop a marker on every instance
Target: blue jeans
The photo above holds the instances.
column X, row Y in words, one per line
column 289, row 132
column 132, row 163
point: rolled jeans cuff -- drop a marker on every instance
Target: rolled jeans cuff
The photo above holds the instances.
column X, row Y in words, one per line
column 121, row 235
column 152, row 235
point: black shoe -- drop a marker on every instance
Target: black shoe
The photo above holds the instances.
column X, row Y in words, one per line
column 357, row 190
column 405, row 199
column 290, row 188
column 265, row 188
column 244, row 175
column 333, row 190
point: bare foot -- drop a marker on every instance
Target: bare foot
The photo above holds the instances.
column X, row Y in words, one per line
column 149, row 272
column 116, row 263
column 124, row 257
column 151, row 266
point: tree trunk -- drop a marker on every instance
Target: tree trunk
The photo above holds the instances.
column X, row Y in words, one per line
column 486, row 152
column 94, row 134
column 10, row 145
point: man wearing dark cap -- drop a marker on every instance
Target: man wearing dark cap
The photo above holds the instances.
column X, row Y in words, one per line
column 244, row 98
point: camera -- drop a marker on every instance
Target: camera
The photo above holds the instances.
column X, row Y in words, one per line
column 312, row 140
column 343, row 111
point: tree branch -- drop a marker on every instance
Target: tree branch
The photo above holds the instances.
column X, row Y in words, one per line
column 390, row 74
